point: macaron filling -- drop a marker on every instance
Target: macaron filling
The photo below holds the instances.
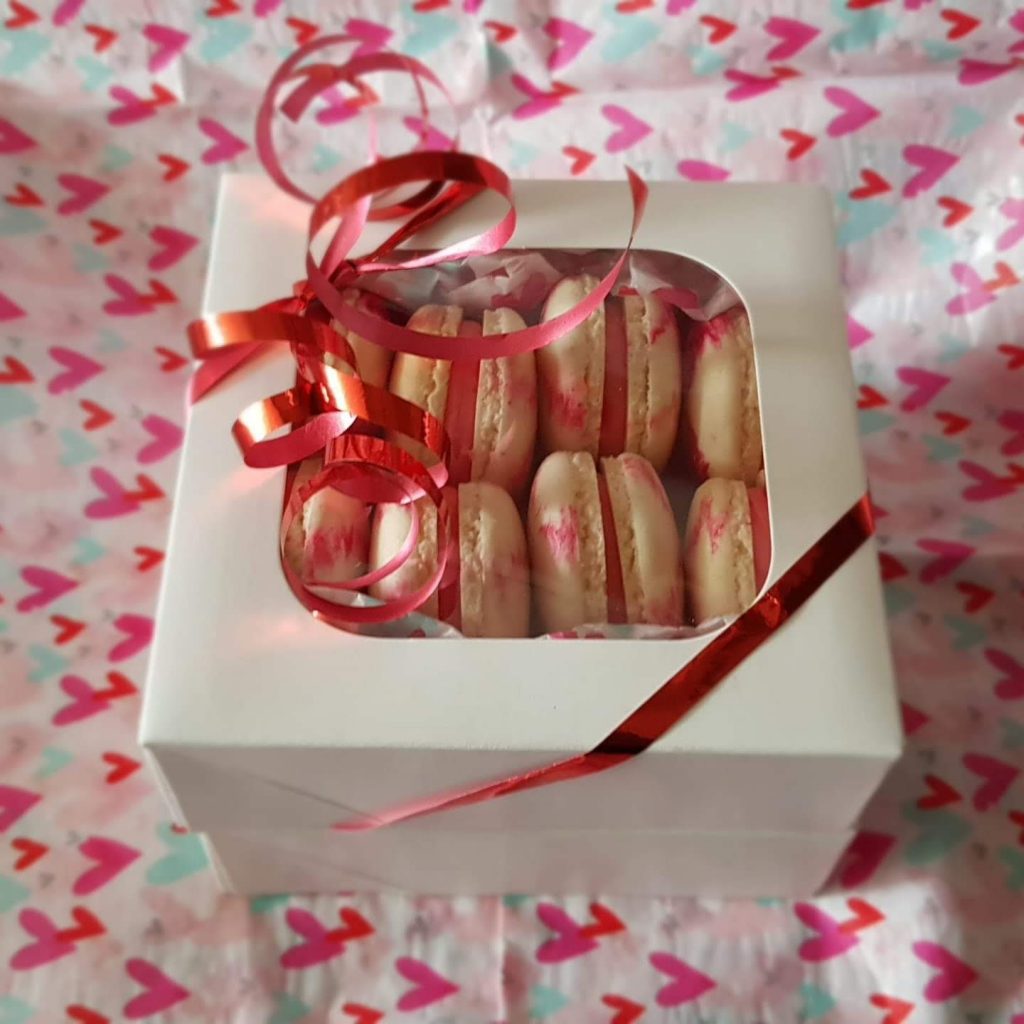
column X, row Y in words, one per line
column 615, row 398
column 449, row 593
column 615, row 585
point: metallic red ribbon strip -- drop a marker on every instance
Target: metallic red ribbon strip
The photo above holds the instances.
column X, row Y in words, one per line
column 679, row 694
column 615, row 399
column 614, row 586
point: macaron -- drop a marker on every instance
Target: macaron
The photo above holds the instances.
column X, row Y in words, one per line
column 489, row 407
column 722, row 411
column 373, row 362
column 486, row 589
column 727, row 548
column 604, row 545
column 329, row 540
column 614, row 383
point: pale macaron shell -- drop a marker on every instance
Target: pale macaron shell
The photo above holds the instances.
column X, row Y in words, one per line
column 722, row 403
column 718, row 550
column 648, row 541
column 571, row 373
column 494, row 577
column 373, row 362
column 655, row 378
column 328, row 542
column 421, row 380
column 506, row 410
column 567, row 542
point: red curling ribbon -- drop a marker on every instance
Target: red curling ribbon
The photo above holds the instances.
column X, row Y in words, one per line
column 615, row 397
column 615, row 588
column 680, row 693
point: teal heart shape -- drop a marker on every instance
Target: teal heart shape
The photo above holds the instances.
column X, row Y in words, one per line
column 187, row 857
column 522, row 154
column 264, row 904
column 19, row 220
column 871, row 421
column 48, row 663
column 287, row 1009
column 324, row 158
column 964, row 121
column 88, row 551
column 499, row 63
column 734, row 136
column 14, row 1010
column 630, row 36
column 1013, row 733
column 515, row 900
column 111, row 341
column 95, row 74
column 897, row 599
column 115, row 158
column 940, row 833
column 937, row 246
column 967, row 633
column 52, row 760
column 863, row 219
column 816, row 1002
column 1013, row 858
column 89, row 259
column 951, row 349
column 76, row 448
column 705, row 62
column 15, row 404
column 26, row 47
column 11, row 893
column 546, row 1002
column 223, row 37
column 940, row 449
column 972, row 526
column 431, row 31
column 939, row 51
column 863, row 28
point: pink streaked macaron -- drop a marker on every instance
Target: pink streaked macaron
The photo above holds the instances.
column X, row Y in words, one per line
column 489, row 408
column 604, row 546
column 727, row 548
column 373, row 362
column 614, row 383
column 487, row 594
column 329, row 540
column 722, row 410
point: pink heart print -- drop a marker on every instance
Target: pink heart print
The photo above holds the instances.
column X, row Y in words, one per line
column 831, row 940
column 172, row 246
column 429, row 987
column 130, row 107
column 169, row 42
column 569, row 38
column 793, row 35
column 160, row 992
column 372, row 36
column 14, row 803
column 1012, row 210
column 166, row 439
column 855, row 112
column 78, row 369
column 226, row 145
column 9, row 310
column 997, row 777
column 747, row 86
column 13, row 139
column 699, row 170
column 933, row 164
column 85, row 702
column 571, row 941
column 539, row 102
column 50, row 945
column 429, row 137
column 115, row 501
column 138, row 631
column 687, row 982
column 66, row 11
column 857, row 333
column 129, row 302
column 926, row 385
column 319, row 946
column 987, row 485
column 975, row 297
column 630, row 128
column 978, row 72
column 84, row 192
column 263, row 8
column 1011, row 686
column 47, row 585
column 950, row 555
column 111, row 858
column 953, row 977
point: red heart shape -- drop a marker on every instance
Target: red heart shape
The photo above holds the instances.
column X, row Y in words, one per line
column 940, row 794
column 874, row 185
column 800, row 143
column 30, row 851
column 958, row 210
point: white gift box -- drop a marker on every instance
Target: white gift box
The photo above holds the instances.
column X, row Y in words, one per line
column 258, row 717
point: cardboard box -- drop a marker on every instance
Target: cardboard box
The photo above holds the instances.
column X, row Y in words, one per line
column 257, row 716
